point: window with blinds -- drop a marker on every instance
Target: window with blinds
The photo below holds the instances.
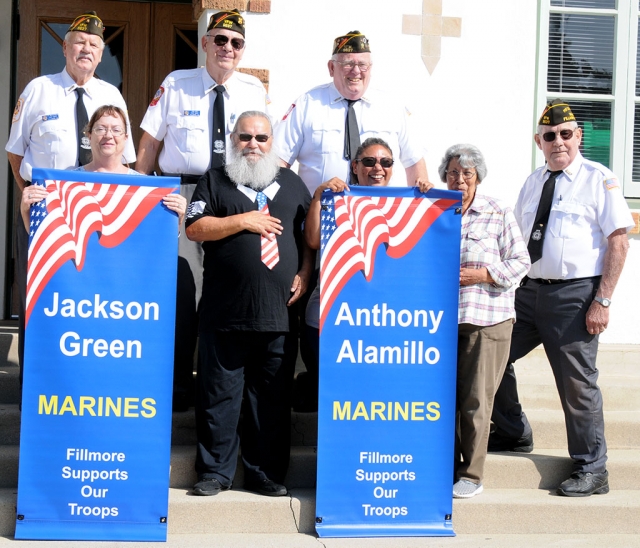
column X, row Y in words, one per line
column 593, row 62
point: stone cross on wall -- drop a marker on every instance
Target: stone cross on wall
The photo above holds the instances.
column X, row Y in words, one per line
column 431, row 26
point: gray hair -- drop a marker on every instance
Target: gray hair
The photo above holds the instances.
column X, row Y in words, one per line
column 67, row 37
column 253, row 114
column 543, row 129
column 468, row 156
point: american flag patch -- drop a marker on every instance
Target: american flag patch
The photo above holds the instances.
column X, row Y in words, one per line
column 610, row 184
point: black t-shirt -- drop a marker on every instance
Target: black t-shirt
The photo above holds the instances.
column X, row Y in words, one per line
column 239, row 292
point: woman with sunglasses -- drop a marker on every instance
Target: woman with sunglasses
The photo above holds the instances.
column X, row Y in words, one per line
column 373, row 166
column 493, row 259
column 107, row 135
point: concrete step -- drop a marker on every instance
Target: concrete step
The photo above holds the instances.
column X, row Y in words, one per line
column 622, row 428
column 496, row 511
column 301, row 540
column 304, row 427
column 548, row 468
column 543, row 469
column 619, row 393
column 302, row 468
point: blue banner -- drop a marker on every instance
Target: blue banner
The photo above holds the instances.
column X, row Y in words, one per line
column 388, row 342
column 95, row 437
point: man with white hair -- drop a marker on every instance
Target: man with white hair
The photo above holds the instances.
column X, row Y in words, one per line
column 573, row 214
column 324, row 127
column 249, row 217
column 49, row 119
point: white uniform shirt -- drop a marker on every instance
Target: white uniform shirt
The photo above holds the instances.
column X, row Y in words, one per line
column 181, row 111
column 588, row 205
column 44, row 121
column 312, row 132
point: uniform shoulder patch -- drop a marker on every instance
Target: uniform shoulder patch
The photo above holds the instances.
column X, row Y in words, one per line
column 195, row 208
column 612, row 183
column 17, row 112
column 156, row 97
column 286, row 114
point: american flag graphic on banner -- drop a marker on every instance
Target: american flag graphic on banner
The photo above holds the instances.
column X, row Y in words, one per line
column 352, row 228
column 62, row 224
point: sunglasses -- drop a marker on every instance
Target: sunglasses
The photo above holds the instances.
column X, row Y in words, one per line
column 370, row 161
column 550, row 136
column 246, row 137
column 221, row 40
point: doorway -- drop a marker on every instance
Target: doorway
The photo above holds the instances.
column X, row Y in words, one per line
column 144, row 41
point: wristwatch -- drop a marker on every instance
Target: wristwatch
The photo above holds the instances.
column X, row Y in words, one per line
column 603, row 301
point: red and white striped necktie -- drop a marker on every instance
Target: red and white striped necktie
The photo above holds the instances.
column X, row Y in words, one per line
column 269, row 248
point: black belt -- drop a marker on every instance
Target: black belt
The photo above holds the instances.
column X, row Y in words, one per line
column 184, row 179
column 546, row 281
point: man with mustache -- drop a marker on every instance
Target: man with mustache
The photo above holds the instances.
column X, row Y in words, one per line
column 249, row 217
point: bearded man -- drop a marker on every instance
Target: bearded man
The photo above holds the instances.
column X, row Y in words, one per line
column 249, row 217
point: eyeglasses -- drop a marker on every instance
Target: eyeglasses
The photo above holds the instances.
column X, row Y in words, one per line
column 466, row 175
column 550, row 136
column 246, row 137
column 101, row 130
column 221, row 40
column 348, row 66
column 370, row 161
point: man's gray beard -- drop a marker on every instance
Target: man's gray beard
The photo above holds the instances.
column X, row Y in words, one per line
column 256, row 175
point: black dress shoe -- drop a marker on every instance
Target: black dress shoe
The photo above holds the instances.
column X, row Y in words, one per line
column 209, row 486
column 266, row 487
column 498, row 443
column 584, row 484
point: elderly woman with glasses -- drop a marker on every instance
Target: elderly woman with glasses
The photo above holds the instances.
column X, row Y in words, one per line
column 493, row 260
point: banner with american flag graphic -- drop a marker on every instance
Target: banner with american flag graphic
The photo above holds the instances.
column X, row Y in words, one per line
column 389, row 279
column 100, row 321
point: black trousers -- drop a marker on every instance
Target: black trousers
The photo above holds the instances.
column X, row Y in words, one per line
column 555, row 315
column 189, row 290
column 260, row 367
column 22, row 254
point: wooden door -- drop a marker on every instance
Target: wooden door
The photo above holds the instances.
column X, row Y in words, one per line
column 144, row 41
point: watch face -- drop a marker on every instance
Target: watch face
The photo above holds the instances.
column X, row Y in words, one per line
column 603, row 301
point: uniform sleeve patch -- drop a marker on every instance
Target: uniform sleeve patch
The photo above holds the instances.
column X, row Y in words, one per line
column 610, row 184
column 17, row 112
column 195, row 208
column 288, row 112
column 267, row 99
column 156, row 97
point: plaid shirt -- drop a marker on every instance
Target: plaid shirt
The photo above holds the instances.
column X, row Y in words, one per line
column 491, row 238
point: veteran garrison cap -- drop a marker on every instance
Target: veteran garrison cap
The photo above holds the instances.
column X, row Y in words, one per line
column 556, row 112
column 88, row 22
column 352, row 42
column 228, row 19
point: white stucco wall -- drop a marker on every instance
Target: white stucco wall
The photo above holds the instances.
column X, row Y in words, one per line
column 482, row 91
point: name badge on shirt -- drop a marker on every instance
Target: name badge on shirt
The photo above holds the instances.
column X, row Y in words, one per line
column 48, row 117
column 191, row 113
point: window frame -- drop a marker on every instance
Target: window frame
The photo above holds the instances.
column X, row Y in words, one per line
column 622, row 99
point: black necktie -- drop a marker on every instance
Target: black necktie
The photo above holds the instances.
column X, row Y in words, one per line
column 218, row 140
column 84, row 146
column 351, row 133
column 542, row 217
